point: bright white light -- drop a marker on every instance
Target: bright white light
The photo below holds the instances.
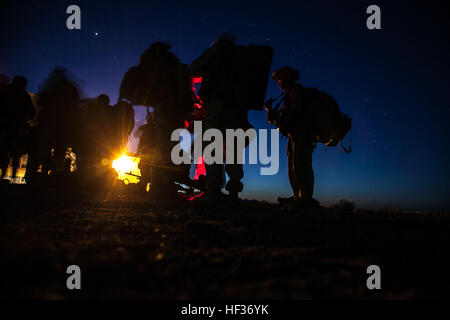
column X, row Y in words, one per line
column 127, row 169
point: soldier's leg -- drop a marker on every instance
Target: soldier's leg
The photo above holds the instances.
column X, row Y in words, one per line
column 31, row 169
column 5, row 153
column 59, row 155
column 15, row 163
column 213, row 178
column 44, row 154
column 4, row 160
column 4, row 164
column 235, row 172
column 214, row 172
column 163, row 173
column 303, row 150
column 32, row 160
column 292, row 178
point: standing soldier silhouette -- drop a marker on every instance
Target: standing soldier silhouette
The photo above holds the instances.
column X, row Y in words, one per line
column 16, row 110
column 59, row 98
column 294, row 120
column 218, row 66
column 94, row 135
column 162, row 82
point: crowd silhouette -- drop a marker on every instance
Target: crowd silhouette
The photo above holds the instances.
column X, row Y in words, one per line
column 72, row 140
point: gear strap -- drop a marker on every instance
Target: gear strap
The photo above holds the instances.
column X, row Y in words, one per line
column 349, row 149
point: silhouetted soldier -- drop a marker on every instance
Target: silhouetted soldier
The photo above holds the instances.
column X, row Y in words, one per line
column 94, row 135
column 16, row 110
column 172, row 98
column 59, row 98
column 294, row 120
column 163, row 82
column 218, row 66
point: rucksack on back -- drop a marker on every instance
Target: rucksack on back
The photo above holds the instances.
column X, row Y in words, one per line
column 250, row 85
column 329, row 124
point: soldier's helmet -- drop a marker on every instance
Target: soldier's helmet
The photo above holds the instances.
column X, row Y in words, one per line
column 286, row 73
column 103, row 99
column 229, row 35
column 20, row 82
column 225, row 36
column 58, row 73
column 159, row 47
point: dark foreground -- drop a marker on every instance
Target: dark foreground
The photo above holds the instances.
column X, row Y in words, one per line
column 138, row 249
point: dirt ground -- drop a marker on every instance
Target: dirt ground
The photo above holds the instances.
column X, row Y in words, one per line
column 130, row 248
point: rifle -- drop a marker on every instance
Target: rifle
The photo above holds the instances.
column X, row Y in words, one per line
column 269, row 103
column 273, row 114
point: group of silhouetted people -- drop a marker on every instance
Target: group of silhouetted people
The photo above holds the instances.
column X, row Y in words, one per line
column 16, row 110
column 219, row 68
column 94, row 130
column 66, row 125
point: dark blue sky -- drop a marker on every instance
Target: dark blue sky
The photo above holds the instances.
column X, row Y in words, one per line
column 393, row 82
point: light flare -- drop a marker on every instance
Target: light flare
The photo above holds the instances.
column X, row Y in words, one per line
column 127, row 168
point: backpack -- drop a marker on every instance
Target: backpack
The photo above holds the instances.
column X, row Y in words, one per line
column 329, row 125
column 250, row 86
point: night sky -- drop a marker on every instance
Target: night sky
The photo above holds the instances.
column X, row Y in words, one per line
column 393, row 82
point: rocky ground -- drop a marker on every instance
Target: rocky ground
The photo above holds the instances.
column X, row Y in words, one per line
column 132, row 248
